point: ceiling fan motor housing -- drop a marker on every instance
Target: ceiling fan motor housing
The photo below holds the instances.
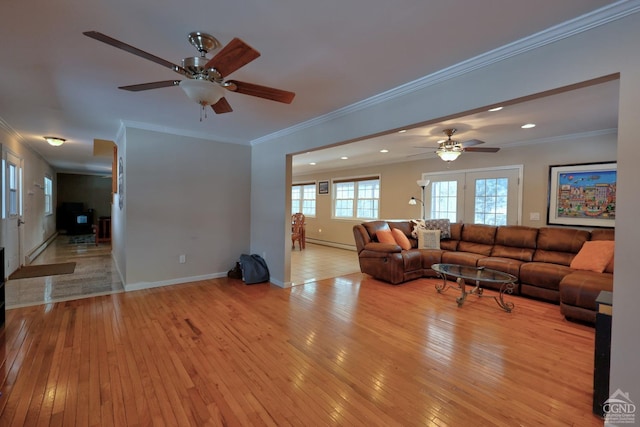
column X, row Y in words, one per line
column 195, row 65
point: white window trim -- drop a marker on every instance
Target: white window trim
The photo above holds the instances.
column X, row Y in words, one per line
column 315, row 184
column 50, row 212
column 336, row 180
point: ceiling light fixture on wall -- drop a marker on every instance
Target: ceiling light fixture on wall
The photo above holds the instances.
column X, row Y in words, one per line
column 202, row 91
column 54, row 140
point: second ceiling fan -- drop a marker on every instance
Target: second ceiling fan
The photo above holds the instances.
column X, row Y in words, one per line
column 204, row 78
column 449, row 150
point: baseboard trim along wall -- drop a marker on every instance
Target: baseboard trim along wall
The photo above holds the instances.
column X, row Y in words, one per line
column 28, row 259
column 332, row 244
column 148, row 285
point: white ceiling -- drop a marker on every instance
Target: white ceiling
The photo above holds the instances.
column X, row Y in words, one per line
column 55, row 81
column 591, row 109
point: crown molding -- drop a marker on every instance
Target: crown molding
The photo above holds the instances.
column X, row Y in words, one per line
column 602, row 16
column 182, row 132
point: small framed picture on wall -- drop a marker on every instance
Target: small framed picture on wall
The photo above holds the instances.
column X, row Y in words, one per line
column 323, row 187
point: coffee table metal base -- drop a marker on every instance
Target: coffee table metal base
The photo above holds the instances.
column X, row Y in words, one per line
column 477, row 290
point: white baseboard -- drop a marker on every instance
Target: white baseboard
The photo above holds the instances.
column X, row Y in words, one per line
column 331, row 244
column 148, row 285
column 28, row 259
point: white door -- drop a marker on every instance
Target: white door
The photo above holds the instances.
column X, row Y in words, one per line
column 13, row 212
column 490, row 197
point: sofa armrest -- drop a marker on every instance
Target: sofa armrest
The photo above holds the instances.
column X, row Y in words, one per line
column 382, row 247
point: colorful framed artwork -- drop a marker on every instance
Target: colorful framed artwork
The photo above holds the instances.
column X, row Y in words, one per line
column 582, row 195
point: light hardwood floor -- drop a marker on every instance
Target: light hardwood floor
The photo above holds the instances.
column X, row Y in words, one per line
column 95, row 274
column 346, row 351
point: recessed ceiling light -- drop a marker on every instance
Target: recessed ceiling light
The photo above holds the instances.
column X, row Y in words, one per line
column 528, row 126
column 343, row 158
column 402, row 131
column 496, row 109
column 384, row 150
column 312, row 163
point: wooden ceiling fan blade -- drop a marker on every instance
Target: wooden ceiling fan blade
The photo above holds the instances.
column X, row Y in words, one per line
column 265, row 92
column 152, row 85
column 472, row 142
column 222, row 106
column 234, row 55
column 134, row 50
column 482, row 149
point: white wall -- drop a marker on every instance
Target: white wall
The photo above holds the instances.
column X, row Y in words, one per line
column 185, row 196
column 38, row 227
column 601, row 51
column 398, row 180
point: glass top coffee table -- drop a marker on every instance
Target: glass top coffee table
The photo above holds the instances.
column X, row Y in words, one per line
column 478, row 274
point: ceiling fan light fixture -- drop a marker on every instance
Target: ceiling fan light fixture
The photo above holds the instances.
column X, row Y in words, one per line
column 448, row 155
column 54, row 140
column 201, row 91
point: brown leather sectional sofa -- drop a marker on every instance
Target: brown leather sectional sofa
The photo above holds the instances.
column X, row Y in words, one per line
column 539, row 257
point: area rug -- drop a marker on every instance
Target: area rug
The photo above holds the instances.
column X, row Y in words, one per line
column 83, row 238
column 43, row 270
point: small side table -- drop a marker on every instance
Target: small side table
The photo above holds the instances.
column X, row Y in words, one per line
column 103, row 234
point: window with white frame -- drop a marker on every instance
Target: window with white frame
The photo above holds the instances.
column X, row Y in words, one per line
column 356, row 198
column 444, row 200
column 13, row 189
column 303, row 199
column 48, row 196
column 479, row 196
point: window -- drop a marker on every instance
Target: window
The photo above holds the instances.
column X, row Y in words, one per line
column 491, row 201
column 444, row 199
column 482, row 196
column 303, row 199
column 13, row 189
column 357, row 198
column 48, row 196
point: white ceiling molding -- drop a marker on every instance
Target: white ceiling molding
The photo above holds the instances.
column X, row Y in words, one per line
column 553, row 34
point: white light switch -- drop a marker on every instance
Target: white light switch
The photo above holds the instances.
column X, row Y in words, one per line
column 534, row 216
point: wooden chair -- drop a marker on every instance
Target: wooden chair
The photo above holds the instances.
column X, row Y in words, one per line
column 297, row 230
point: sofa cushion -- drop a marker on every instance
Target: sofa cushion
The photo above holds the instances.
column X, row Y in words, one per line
column 385, row 236
column 401, row 239
column 444, row 225
column 559, row 245
column 477, row 238
column 605, row 234
column 506, row 265
column 373, row 226
column 461, row 258
column 581, row 288
column 514, row 241
column 594, row 256
column 543, row 274
column 428, row 239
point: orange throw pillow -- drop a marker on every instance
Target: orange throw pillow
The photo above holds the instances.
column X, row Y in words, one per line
column 594, row 255
column 385, row 236
column 401, row 239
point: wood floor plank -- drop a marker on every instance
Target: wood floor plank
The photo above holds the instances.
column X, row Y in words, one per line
column 346, row 351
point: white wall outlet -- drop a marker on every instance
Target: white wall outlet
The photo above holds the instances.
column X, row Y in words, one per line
column 534, row 216
column 183, row 259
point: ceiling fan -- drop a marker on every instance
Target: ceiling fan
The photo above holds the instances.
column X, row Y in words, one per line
column 449, row 150
column 205, row 78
